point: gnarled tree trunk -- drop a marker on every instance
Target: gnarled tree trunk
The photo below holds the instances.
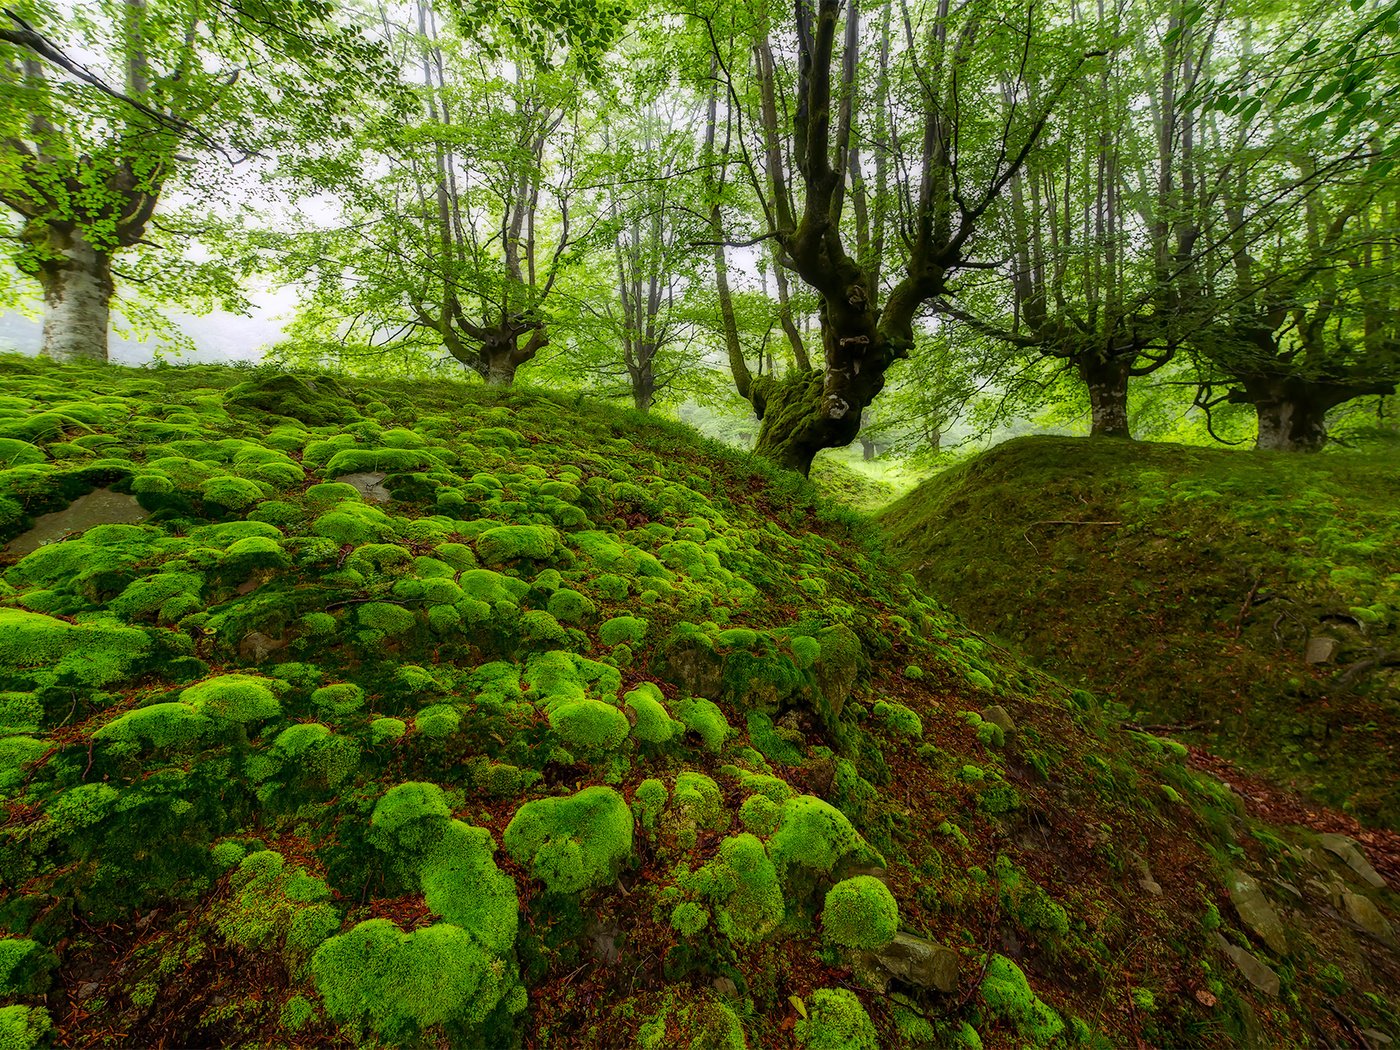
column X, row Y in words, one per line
column 1107, row 383
column 1292, row 411
column 497, row 351
column 77, row 283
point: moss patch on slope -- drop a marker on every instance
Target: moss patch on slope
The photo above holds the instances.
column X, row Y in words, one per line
column 1194, row 586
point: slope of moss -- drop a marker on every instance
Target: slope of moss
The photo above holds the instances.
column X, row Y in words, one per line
column 594, row 734
column 1190, row 584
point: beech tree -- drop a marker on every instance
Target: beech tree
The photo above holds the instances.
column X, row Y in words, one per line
column 956, row 141
column 104, row 107
column 454, row 223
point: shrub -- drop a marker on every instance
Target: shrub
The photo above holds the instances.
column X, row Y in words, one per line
column 572, row 844
column 860, row 913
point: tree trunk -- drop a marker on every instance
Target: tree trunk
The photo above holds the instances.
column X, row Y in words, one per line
column 867, row 449
column 1107, row 383
column 805, row 412
column 644, row 380
column 1292, row 412
column 498, row 352
column 77, row 282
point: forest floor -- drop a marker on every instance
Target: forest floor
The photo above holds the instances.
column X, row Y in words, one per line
column 1246, row 602
column 421, row 714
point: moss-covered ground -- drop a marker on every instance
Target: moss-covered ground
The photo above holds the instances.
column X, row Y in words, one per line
column 596, row 734
column 1248, row 601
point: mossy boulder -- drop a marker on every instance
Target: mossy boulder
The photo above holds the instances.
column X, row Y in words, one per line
column 48, row 651
column 572, row 844
column 860, row 912
column 1009, row 997
column 836, row 1020
column 235, row 698
column 506, row 544
column 314, row 400
column 395, row 986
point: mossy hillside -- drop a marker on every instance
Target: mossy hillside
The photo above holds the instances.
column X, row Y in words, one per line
column 1188, row 583
column 363, row 780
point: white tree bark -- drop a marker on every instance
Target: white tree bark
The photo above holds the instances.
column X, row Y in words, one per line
column 77, row 300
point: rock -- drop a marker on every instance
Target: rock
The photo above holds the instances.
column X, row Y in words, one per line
column 839, row 665
column 692, row 664
column 257, row 647
column 913, row 960
column 1255, row 971
column 1256, row 912
column 1347, row 850
column 1147, row 882
column 1321, row 649
column 998, row 715
column 1363, row 911
column 369, row 484
column 604, row 936
column 725, row 987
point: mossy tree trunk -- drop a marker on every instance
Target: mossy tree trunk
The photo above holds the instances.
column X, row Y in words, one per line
column 498, row 350
column 1292, row 411
column 1106, row 379
column 76, row 278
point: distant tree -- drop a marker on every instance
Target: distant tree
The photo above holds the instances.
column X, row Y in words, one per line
column 104, row 107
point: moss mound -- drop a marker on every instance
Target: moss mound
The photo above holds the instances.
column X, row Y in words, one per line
column 594, row 734
column 1244, row 599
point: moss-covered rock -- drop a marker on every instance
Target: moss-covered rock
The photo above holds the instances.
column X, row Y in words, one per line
column 860, row 912
column 836, row 1020
column 573, row 844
